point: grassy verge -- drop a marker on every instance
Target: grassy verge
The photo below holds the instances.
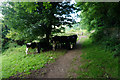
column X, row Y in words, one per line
column 14, row 60
column 96, row 62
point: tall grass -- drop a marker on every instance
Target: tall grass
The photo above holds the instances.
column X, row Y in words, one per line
column 15, row 60
column 96, row 62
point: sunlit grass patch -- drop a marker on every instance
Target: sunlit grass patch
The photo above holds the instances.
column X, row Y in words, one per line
column 97, row 62
column 15, row 60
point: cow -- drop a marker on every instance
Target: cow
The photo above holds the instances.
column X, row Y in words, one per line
column 32, row 46
column 64, row 41
column 55, row 41
column 72, row 41
column 38, row 45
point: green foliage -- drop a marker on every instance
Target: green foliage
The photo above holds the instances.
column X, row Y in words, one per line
column 14, row 60
column 13, row 34
column 32, row 20
column 97, row 62
column 108, row 41
column 99, row 15
column 10, row 37
column 97, row 36
column 7, row 43
column 12, row 45
column 104, row 19
column 112, row 45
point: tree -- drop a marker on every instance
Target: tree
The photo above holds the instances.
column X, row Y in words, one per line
column 34, row 20
column 104, row 19
column 98, row 15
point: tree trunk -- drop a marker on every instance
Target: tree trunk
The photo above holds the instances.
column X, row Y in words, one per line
column 48, row 33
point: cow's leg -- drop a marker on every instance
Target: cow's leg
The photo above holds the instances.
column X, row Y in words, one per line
column 60, row 45
column 68, row 45
column 38, row 48
column 57, row 45
column 71, row 46
column 26, row 50
column 54, row 45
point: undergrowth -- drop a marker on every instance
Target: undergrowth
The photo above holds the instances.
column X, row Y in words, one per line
column 97, row 63
column 15, row 60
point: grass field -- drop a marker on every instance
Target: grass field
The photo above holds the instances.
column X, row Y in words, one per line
column 15, row 60
column 97, row 62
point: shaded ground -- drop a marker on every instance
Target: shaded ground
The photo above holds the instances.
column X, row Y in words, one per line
column 62, row 68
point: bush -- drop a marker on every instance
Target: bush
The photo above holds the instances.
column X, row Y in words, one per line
column 110, row 43
column 9, row 44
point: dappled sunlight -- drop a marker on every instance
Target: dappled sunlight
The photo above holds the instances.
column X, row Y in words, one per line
column 43, row 39
column 17, row 61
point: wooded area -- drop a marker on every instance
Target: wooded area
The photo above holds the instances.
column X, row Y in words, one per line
column 39, row 20
column 34, row 20
column 25, row 22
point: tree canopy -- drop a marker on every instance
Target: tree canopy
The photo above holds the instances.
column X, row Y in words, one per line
column 99, row 15
column 35, row 20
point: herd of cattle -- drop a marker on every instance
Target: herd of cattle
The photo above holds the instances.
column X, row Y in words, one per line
column 67, row 42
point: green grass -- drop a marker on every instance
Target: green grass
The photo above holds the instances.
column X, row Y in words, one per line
column 15, row 60
column 96, row 62
column 0, row 67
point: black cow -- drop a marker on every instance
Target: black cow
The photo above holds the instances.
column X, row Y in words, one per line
column 64, row 41
column 55, row 41
column 72, row 41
